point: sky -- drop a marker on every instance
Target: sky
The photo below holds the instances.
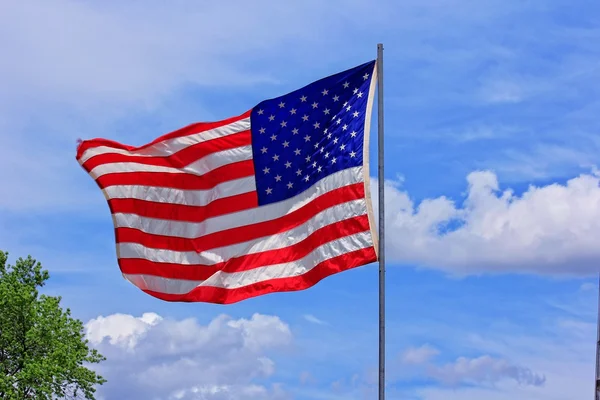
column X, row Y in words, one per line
column 492, row 193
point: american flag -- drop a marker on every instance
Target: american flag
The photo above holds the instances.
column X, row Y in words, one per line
column 273, row 200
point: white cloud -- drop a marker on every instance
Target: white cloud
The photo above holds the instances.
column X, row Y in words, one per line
column 312, row 319
column 152, row 357
column 120, row 330
column 550, row 229
column 419, row 355
column 483, row 370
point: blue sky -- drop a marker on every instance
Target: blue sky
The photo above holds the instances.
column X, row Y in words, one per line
column 492, row 193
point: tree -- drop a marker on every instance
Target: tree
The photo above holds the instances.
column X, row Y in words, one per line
column 43, row 350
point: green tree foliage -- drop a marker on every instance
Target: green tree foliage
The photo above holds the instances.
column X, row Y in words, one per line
column 43, row 350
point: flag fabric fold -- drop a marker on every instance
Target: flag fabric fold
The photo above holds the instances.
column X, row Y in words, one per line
column 273, row 200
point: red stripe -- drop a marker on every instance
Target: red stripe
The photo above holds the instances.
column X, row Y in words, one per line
column 243, row 233
column 228, row 172
column 227, row 296
column 295, row 252
column 179, row 159
column 185, row 131
column 182, row 212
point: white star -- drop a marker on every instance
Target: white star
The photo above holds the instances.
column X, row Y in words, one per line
column 366, row 76
column 314, row 164
column 297, row 152
column 327, row 155
column 333, row 160
column 290, row 185
column 271, row 118
column 335, row 140
column 355, row 91
column 344, row 127
column 306, row 178
column 336, row 98
column 345, row 104
column 305, row 118
column 322, row 149
column 293, row 111
column 325, row 92
column 316, row 125
column 329, row 136
column 352, row 154
column 307, row 138
column 275, row 157
column 315, row 105
column 295, row 131
column 288, row 164
column 319, row 169
column 359, row 95
column 307, row 158
column 343, row 147
column 353, row 133
column 355, row 114
column 326, row 111
column 299, row 172
column 348, row 108
column 278, row 178
column 303, row 99
column 316, row 145
column 326, row 129
column 264, row 150
column 281, row 105
column 339, row 121
column 286, row 143
column 269, row 190
column 262, row 130
column 283, row 124
column 346, row 84
column 266, row 170
column 260, row 112
column 273, row 137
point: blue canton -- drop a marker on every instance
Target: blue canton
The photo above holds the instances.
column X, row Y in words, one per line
column 303, row 136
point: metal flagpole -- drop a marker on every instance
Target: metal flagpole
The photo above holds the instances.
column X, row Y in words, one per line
column 597, row 383
column 381, row 223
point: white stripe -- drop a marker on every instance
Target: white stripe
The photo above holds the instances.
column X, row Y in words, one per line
column 179, row 196
column 267, row 212
column 240, row 279
column 198, row 167
column 282, row 240
column 171, row 146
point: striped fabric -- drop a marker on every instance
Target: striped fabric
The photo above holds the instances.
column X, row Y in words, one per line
column 273, row 200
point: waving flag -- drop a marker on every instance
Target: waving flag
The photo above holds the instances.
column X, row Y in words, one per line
column 273, row 200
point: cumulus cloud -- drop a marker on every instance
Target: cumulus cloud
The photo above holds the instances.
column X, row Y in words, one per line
column 547, row 229
column 151, row 357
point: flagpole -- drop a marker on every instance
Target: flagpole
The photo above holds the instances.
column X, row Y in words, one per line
column 597, row 380
column 381, row 223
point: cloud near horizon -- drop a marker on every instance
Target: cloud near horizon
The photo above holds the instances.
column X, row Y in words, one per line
column 481, row 370
column 153, row 357
column 550, row 229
